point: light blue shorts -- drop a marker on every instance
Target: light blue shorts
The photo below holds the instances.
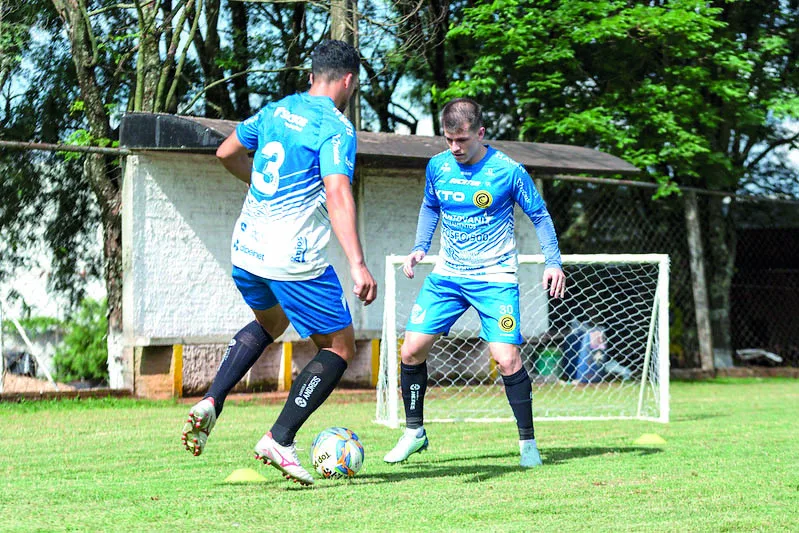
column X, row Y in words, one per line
column 312, row 306
column 443, row 299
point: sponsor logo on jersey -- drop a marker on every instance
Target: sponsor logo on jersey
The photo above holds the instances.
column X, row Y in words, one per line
column 336, row 142
column 243, row 248
column 349, row 163
column 417, row 314
column 455, row 196
column 347, row 124
column 462, row 181
column 445, row 167
column 300, row 247
column 482, row 199
column 295, row 122
column 507, row 323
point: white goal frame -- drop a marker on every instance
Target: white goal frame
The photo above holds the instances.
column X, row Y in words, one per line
column 654, row 371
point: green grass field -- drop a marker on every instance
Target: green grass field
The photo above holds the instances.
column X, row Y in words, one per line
column 730, row 463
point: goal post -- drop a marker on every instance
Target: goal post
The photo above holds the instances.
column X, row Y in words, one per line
column 601, row 352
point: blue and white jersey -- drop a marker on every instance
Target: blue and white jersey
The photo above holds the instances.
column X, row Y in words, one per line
column 284, row 227
column 475, row 204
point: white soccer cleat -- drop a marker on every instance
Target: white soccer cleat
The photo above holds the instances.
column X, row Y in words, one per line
column 530, row 457
column 202, row 418
column 412, row 441
column 284, row 458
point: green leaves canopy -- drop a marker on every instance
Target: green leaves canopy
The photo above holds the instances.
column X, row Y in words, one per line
column 695, row 92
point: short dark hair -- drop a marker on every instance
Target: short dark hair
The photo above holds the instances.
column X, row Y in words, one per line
column 332, row 60
column 462, row 113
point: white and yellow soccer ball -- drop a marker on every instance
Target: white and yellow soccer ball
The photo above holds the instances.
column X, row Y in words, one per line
column 337, row 452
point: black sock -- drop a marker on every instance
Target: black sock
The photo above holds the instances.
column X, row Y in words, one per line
column 519, row 391
column 311, row 388
column 242, row 352
column 413, row 380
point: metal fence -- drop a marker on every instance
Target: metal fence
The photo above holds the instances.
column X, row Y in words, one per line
column 602, row 216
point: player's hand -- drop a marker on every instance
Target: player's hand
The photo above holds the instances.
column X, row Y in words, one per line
column 411, row 261
column 555, row 281
column 365, row 285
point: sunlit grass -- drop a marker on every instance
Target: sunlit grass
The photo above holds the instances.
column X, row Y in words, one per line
column 730, row 463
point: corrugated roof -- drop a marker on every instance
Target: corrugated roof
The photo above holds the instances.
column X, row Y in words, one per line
column 151, row 131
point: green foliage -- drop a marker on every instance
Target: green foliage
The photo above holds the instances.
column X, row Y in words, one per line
column 83, row 353
column 685, row 89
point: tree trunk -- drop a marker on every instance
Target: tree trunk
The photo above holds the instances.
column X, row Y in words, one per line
column 241, row 57
column 699, row 281
column 102, row 177
column 721, row 241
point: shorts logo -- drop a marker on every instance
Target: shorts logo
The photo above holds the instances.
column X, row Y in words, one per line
column 417, row 314
column 300, row 401
column 482, row 199
column 507, row 323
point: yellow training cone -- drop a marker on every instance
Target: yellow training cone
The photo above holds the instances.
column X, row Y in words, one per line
column 245, row 475
column 649, row 438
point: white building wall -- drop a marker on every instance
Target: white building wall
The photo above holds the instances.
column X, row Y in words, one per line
column 178, row 215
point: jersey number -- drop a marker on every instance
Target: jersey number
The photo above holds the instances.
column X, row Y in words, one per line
column 266, row 181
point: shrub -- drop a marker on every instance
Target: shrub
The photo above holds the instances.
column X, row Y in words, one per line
column 83, row 354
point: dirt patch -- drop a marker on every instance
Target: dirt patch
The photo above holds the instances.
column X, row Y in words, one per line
column 13, row 383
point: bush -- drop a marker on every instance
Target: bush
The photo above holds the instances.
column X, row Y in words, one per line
column 83, row 354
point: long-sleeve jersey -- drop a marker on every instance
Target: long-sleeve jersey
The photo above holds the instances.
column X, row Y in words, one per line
column 475, row 206
column 284, row 227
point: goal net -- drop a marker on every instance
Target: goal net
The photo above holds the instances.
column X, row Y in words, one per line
column 599, row 353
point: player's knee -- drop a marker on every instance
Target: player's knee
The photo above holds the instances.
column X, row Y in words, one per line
column 410, row 355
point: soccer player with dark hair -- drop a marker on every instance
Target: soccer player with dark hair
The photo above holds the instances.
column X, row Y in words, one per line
column 300, row 185
column 472, row 189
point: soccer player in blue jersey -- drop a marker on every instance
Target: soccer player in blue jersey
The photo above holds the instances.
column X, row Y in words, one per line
column 300, row 185
column 472, row 188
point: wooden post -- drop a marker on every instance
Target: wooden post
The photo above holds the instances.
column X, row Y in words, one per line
column 701, row 306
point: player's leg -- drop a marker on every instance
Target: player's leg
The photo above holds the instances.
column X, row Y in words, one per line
column 519, row 392
column 437, row 307
column 317, row 309
column 244, row 349
column 498, row 307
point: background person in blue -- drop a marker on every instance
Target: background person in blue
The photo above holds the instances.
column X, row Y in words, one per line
column 472, row 189
column 300, row 185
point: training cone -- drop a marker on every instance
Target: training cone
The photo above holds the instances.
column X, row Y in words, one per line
column 649, row 438
column 245, row 475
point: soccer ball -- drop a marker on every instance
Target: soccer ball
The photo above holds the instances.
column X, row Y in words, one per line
column 337, row 452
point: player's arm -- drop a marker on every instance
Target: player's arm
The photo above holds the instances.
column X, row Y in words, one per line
column 429, row 214
column 234, row 157
column 234, row 151
column 341, row 207
column 533, row 205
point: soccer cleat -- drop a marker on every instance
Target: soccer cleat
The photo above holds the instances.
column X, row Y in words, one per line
column 202, row 418
column 530, row 457
column 408, row 444
column 284, row 458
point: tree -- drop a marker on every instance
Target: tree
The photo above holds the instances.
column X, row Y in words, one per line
column 696, row 93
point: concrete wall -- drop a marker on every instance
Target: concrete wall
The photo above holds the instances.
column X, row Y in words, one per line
column 178, row 215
